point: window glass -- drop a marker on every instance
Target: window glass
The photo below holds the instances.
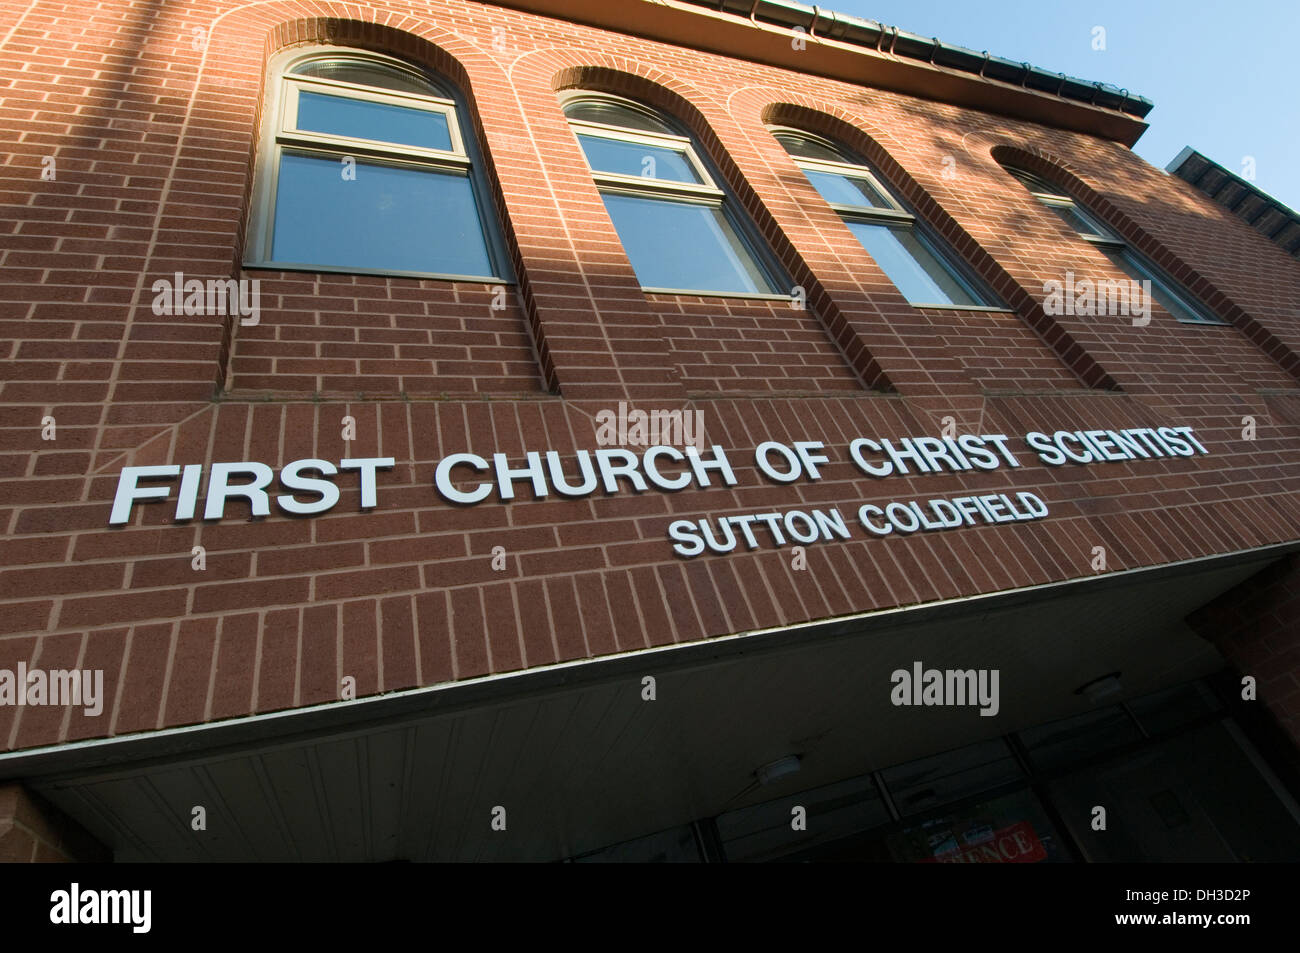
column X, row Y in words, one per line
column 677, row 239
column 805, row 148
column 1178, row 303
column 910, row 265
column 1081, row 223
column 1165, row 296
column 918, row 267
column 847, row 190
column 364, row 119
column 394, row 218
column 365, row 74
column 1012, row 829
column 613, row 114
column 683, row 245
column 635, row 158
column 321, row 202
column 1037, row 184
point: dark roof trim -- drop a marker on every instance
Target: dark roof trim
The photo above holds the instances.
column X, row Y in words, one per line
column 1275, row 221
column 888, row 39
column 866, row 54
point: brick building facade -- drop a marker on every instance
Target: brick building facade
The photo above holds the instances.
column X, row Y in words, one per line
column 498, row 651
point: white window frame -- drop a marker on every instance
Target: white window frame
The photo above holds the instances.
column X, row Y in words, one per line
column 1106, row 238
column 706, row 192
column 281, row 134
column 896, row 215
column 645, row 184
column 294, row 85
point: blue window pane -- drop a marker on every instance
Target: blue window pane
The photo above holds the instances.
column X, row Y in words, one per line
column 911, row 266
column 388, row 218
column 615, row 114
column 811, row 149
column 1161, row 291
column 846, row 190
column 631, row 158
column 684, row 245
column 1078, row 221
column 1037, row 184
column 368, row 74
column 381, row 122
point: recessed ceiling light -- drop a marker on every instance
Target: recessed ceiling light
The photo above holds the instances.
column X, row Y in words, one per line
column 778, row 769
column 1099, row 689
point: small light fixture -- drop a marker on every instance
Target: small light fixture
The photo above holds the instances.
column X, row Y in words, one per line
column 1100, row 689
column 778, row 769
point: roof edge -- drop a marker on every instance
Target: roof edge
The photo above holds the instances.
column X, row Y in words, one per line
column 866, row 53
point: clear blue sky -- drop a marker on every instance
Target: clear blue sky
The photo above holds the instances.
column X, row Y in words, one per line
column 1222, row 75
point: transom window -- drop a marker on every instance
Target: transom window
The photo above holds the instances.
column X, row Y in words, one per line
column 1174, row 299
column 365, row 170
column 677, row 225
column 908, row 254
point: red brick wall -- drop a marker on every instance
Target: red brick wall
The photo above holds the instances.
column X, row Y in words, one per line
column 154, row 143
column 32, row 831
column 339, row 336
column 1257, row 627
column 750, row 346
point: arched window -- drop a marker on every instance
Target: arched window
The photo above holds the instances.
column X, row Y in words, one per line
column 678, row 226
column 1164, row 289
column 912, row 258
column 365, row 168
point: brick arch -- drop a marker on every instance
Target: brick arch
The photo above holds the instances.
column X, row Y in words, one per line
column 451, row 57
column 435, row 49
column 375, row 37
column 687, row 106
column 830, row 120
column 666, row 94
column 655, row 89
column 842, row 126
column 549, row 71
column 1058, row 171
column 1034, row 158
column 422, row 42
column 368, row 35
column 239, row 39
column 658, row 91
